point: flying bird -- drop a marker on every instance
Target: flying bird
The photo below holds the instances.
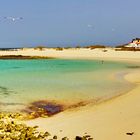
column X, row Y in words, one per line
column 113, row 30
column 13, row 18
column 90, row 26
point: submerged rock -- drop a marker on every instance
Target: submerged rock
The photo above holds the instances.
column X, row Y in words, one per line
column 43, row 109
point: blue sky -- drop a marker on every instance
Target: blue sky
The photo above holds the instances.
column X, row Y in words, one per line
column 68, row 22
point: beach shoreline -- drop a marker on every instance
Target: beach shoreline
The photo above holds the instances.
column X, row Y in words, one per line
column 109, row 120
column 73, row 53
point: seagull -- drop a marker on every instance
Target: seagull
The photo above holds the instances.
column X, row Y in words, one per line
column 90, row 26
column 14, row 18
column 113, row 29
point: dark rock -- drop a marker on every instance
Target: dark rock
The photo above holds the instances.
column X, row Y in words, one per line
column 130, row 133
column 78, row 138
column 55, row 137
column 90, row 138
column 65, row 138
column 87, row 136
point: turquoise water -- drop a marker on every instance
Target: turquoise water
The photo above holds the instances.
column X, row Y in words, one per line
column 71, row 81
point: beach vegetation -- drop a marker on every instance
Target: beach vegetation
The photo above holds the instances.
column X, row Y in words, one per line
column 59, row 49
column 120, row 46
column 68, row 47
column 40, row 48
column 78, row 47
column 96, row 47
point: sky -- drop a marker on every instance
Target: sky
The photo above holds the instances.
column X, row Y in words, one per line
column 68, row 22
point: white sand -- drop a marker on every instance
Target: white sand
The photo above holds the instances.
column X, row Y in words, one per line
column 111, row 54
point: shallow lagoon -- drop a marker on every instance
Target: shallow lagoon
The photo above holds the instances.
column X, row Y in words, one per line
column 65, row 81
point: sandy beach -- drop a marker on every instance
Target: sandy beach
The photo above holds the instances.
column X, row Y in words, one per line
column 109, row 120
column 81, row 53
column 69, row 70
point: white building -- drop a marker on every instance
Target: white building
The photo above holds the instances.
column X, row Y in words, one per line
column 134, row 44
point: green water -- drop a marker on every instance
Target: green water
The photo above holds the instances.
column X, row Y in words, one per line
column 24, row 81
